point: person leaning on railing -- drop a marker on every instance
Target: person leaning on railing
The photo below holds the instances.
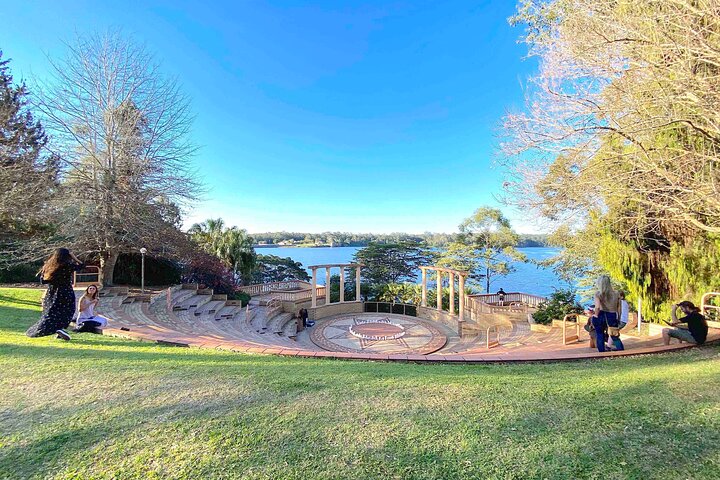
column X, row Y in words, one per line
column 697, row 327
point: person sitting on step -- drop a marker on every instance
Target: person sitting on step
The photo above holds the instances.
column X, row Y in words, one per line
column 697, row 327
column 88, row 320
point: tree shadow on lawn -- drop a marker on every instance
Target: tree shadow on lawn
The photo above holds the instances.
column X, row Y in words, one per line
column 55, row 443
column 292, row 369
column 285, row 380
column 11, row 300
column 517, row 446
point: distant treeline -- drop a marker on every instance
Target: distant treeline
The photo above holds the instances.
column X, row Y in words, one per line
column 344, row 239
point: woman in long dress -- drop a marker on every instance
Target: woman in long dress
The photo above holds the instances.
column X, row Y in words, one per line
column 59, row 301
column 607, row 315
column 88, row 319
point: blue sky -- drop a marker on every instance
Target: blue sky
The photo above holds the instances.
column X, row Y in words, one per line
column 316, row 116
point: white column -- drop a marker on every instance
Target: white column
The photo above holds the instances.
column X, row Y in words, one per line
column 357, row 283
column 314, row 287
column 439, row 289
column 424, row 287
column 327, row 285
column 451, row 277
column 461, row 302
column 342, row 284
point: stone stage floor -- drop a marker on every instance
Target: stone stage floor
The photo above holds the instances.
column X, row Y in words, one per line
column 381, row 333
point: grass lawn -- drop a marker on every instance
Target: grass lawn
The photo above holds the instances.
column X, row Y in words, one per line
column 100, row 407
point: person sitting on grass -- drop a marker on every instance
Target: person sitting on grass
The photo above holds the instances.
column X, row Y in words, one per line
column 88, row 320
column 697, row 327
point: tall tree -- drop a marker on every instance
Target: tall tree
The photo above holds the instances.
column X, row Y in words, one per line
column 233, row 246
column 619, row 143
column 271, row 268
column 485, row 246
column 392, row 262
column 122, row 130
column 623, row 110
column 28, row 174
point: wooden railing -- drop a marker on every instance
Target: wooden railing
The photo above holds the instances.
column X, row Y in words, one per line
column 526, row 298
column 90, row 275
column 263, row 288
column 514, row 302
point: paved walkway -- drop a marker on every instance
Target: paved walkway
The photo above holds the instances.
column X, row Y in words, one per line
column 496, row 355
column 131, row 317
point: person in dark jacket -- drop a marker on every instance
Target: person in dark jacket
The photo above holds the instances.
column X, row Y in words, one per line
column 59, row 300
column 697, row 327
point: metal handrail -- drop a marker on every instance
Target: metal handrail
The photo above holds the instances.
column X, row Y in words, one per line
column 95, row 274
column 704, row 305
column 496, row 343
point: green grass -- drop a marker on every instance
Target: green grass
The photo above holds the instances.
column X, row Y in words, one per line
column 100, row 407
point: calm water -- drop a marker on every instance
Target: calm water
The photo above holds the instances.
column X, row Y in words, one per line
column 528, row 278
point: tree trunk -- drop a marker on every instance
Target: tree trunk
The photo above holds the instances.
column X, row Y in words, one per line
column 487, row 280
column 107, row 267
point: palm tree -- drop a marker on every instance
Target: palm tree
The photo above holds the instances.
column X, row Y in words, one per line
column 233, row 246
column 235, row 249
column 207, row 233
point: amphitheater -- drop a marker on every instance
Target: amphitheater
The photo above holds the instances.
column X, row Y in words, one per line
column 473, row 328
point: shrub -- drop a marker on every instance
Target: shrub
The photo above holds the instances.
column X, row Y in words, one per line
column 238, row 295
column 209, row 272
column 561, row 303
column 26, row 273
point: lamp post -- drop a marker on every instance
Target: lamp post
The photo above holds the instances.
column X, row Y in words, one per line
column 143, row 251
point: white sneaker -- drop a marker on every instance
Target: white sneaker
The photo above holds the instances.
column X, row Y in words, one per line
column 63, row 335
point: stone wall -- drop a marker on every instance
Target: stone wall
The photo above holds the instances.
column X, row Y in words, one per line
column 333, row 309
column 429, row 313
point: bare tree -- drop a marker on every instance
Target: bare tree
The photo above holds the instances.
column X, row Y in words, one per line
column 622, row 115
column 122, row 129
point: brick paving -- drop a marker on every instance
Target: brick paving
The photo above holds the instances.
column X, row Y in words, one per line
column 153, row 322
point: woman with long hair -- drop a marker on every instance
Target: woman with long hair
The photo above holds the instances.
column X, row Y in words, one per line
column 59, row 301
column 606, row 318
column 88, row 319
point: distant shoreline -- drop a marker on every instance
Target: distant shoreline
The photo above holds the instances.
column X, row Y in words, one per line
column 360, row 246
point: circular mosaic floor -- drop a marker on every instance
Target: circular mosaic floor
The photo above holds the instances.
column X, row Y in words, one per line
column 377, row 333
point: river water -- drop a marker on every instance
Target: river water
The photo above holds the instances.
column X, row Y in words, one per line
column 527, row 277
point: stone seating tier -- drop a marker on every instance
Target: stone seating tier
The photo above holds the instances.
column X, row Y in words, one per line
column 229, row 327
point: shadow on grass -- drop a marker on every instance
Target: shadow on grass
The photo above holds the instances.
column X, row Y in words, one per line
column 34, row 303
column 374, row 420
column 270, row 434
